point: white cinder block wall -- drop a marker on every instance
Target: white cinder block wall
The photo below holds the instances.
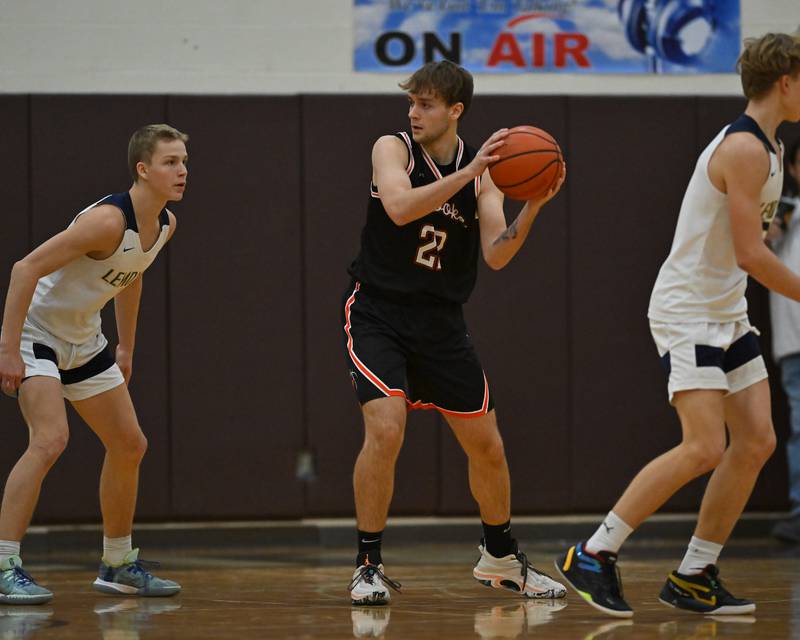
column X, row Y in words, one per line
column 260, row 47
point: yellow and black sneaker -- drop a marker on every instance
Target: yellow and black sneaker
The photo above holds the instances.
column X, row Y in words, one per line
column 702, row 593
column 595, row 577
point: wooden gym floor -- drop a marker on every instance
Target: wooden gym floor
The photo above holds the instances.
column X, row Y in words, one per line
column 294, row 592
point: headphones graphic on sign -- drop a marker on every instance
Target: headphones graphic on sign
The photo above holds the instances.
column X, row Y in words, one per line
column 676, row 31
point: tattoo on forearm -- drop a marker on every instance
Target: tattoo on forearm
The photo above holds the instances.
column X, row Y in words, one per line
column 508, row 234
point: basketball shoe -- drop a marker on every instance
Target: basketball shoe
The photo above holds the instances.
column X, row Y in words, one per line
column 514, row 572
column 17, row 586
column 369, row 622
column 21, row 623
column 595, row 577
column 369, row 583
column 132, row 578
column 702, row 593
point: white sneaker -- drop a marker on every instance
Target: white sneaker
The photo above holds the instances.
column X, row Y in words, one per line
column 369, row 622
column 514, row 572
column 368, row 586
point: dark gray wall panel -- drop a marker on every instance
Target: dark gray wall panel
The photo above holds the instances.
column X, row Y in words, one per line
column 235, row 310
column 14, row 244
column 79, row 154
column 338, row 135
column 518, row 321
column 631, row 161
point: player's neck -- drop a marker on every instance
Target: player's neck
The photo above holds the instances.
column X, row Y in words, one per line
column 443, row 149
column 146, row 205
column 765, row 113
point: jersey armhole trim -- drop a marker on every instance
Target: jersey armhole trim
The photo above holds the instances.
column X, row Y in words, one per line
column 407, row 140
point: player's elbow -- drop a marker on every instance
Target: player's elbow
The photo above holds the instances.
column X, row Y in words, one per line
column 495, row 263
column 748, row 259
column 25, row 269
column 397, row 214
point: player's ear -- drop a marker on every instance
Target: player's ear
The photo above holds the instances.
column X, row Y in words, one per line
column 141, row 169
column 456, row 110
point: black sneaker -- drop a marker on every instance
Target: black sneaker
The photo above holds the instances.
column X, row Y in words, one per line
column 595, row 577
column 702, row 593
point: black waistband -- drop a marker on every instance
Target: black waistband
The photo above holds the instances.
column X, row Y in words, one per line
column 405, row 297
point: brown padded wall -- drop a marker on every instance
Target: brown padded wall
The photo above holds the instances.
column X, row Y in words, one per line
column 235, row 310
column 632, row 158
column 518, row 320
column 14, row 244
column 79, row 150
column 239, row 360
column 338, row 134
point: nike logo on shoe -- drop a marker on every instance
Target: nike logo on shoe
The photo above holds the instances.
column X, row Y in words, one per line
column 126, row 249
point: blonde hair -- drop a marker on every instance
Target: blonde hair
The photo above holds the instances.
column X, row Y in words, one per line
column 765, row 59
column 143, row 142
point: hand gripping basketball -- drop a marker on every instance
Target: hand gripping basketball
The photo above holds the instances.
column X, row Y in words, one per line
column 488, row 153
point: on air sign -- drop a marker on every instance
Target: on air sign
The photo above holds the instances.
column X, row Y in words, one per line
column 576, row 36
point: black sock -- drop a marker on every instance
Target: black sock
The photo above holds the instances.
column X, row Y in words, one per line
column 369, row 547
column 497, row 539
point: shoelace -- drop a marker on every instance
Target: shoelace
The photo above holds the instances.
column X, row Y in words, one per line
column 367, row 573
column 712, row 573
column 141, row 566
column 527, row 566
column 618, row 576
column 22, row 577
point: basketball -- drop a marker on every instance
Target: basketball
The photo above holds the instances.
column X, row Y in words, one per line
column 530, row 163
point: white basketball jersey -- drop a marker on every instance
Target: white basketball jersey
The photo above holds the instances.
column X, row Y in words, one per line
column 67, row 302
column 700, row 279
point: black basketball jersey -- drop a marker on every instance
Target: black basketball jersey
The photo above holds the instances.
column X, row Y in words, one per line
column 433, row 258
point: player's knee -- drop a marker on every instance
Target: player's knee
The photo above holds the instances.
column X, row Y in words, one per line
column 385, row 436
column 132, row 445
column 490, row 451
column 758, row 447
column 49, row 447
column 703, row 456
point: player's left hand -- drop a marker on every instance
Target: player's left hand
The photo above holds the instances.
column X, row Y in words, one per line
column 540, row 202
column 125, row 363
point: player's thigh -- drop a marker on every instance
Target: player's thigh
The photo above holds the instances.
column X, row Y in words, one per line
column 41, row 402
column 748, row 414
column 385, row 421
column 477, row 435
column 112, row 417
column 702, row 417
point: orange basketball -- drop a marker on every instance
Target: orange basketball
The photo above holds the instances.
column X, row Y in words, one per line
column 530, row 163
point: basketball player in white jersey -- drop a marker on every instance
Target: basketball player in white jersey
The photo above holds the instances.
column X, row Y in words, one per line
column 698, row 317
column 52, row 347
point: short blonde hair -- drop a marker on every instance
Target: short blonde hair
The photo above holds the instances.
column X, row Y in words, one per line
column 765, row 59
column 143, row 143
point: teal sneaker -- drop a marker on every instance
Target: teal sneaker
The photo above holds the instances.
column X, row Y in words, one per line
column 17, row 586
column 132, row 578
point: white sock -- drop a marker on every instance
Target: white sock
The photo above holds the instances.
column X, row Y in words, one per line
column 8, row 548
column 115, row 549
column 610, row 535
column 699, row 555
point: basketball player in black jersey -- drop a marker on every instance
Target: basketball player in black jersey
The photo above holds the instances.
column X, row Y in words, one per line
column 432, row 209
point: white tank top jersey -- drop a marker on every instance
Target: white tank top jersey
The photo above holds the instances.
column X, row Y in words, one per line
column 67, row 302
column 700, row 279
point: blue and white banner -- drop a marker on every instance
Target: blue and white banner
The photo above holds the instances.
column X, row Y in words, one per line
column 528, row 36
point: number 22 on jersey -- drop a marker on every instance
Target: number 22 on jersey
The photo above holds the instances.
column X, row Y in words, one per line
column 428, row 253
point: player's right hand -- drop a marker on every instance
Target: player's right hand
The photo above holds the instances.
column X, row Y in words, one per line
column 487, row 153
column 12, row 370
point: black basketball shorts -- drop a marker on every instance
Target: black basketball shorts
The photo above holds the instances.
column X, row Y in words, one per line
column 420, row 352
